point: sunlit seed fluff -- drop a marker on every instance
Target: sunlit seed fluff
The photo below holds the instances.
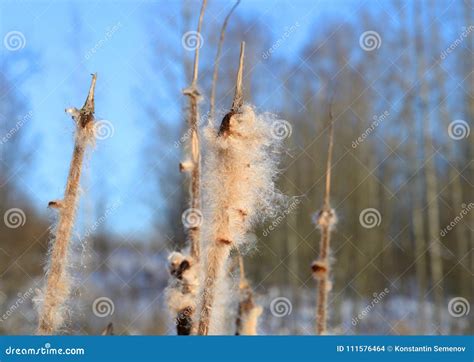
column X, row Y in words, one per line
column 240, row 171
column 239, row 190
column 181, row 293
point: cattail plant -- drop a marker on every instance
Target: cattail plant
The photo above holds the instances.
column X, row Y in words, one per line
column 217, row 60
column 240, row 171
column 325, row 220
column 248, row 312
column 58, row 285
column 182, row 291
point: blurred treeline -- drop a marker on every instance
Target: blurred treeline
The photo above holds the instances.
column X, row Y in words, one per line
column 408, row 168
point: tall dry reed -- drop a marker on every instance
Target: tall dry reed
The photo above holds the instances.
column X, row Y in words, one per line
column 54, row 299
column 240, row 170
column 182, row 291
column 325, row 220
column 248, row 311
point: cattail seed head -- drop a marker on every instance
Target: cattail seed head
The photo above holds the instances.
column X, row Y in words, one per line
column 239, row 174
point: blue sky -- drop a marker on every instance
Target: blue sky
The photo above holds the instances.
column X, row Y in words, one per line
column 69, row 40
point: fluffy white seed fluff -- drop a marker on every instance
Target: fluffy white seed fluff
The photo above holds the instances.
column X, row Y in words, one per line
column 239, row 176
column 181, row 293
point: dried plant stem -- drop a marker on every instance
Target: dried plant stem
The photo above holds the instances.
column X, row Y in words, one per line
column 217, row 60
column 195, row 188
column 58, row 284
column 221, row 246
column 326, row 220
column 217, row 257
column 248, row 312
column 181, row 286
column 238, row 96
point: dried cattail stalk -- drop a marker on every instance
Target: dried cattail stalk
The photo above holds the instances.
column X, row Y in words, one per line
column 217, row 60
column 248, row 312
column 182, row 291
column 325, row 220
column 193, row 116
column 57, row 290
column 239, row 178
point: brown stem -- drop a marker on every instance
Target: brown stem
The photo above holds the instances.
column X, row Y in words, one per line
column 58, row 284
column 238, row 96
column 195, row 187
column 217, row 60
column 221, row 244
column 217, row 255
column 196, row 53
column 321, row 267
